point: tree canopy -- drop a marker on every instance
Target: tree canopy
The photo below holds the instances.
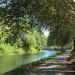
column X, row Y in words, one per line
column 21, row 18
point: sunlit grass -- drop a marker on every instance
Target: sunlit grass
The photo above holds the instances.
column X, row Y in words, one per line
column 7, row 49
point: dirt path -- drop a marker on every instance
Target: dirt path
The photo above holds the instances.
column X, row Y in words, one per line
column 56, row 66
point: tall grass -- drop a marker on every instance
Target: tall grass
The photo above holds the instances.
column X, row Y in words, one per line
column 7, row 49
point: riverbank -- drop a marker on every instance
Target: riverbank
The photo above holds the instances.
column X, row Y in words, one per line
column 7, row 49
column 9, row 63
column 22, row 53
column 31, row 65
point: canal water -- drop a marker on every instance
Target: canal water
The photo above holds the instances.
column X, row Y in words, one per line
column 8, row 63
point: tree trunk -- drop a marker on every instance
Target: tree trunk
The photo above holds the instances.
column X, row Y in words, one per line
column 62, row 49
column 74, row 44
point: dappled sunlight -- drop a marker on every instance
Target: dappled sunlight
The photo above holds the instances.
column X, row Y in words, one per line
column 37, row 37
column 48, row 67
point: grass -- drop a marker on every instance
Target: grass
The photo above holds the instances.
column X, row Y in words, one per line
column 7, row 49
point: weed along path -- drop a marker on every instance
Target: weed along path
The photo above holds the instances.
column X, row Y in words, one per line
column 56, row 66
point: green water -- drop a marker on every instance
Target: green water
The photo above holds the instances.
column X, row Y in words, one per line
column 8, row 63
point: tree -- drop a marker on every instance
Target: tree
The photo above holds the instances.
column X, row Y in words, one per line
column 59, row 16
column 17, row 26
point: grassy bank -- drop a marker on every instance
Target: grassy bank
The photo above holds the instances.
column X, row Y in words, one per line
column 7, row 49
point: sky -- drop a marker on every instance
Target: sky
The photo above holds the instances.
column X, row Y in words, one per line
column 74, row 0
column 46, row 33
column 4, row 2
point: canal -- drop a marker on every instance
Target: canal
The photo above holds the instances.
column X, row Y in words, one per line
column 11, row 62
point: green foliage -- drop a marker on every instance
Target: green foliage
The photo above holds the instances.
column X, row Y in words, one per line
column 7, row 49
column 26, row 39
column 17, row 29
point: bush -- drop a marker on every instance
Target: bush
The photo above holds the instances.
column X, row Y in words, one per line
column 7, row 49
